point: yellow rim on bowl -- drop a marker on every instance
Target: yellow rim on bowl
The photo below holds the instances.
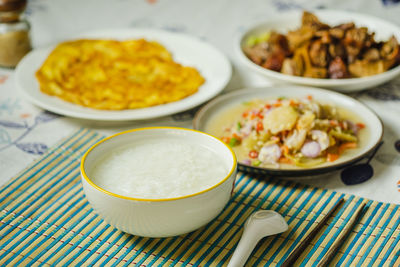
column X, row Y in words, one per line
column 84, row 175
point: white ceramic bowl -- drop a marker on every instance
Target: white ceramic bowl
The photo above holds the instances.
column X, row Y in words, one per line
column 292, row 20
column 158, row 217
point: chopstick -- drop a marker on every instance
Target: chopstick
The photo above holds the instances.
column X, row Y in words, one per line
column 342, row 237
column 303, row 245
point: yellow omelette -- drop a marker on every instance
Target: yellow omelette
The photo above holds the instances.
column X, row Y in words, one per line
column 116, row 75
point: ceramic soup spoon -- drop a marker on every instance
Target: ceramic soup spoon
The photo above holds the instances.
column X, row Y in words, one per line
column 259, row 224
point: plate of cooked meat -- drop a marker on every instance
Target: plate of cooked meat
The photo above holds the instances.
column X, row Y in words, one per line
column 338, row 50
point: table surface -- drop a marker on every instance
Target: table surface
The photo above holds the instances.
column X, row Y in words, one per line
column 27, row 131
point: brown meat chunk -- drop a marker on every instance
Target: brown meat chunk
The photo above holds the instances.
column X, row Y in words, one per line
column 278, row 43
column 274, row 61
column 346, row 26
column 356, row 37
column 312, row 21
column 318, row 54
column 370, row 40
column 336, row 32
column 337, row 69
column 354, row 41
column 325, row 36
column 258, row 53
column 336, row 50
column 397, row 59
column 390, row 49
column 361, row 68
column 316, row 73
column 293, row 66
column 371, row 54
column 299, row 37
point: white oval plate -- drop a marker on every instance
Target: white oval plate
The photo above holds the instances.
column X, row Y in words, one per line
column 292, row 20
column 186, row 50
column 373, row 124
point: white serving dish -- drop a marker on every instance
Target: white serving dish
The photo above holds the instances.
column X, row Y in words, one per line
column 158, row 217
column 186, row 50
column 292, row 20
column 373, row 124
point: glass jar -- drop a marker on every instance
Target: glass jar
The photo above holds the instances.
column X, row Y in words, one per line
column 14, row 33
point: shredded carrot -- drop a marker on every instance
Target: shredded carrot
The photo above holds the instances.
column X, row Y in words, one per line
column 333, row 123
column 259, row 127
column 236, row 136
column 267, row 106
column 345, row 146
column 285, row 160
column 293, row 103
column 332, row 157
column 360, row 125
column 277, row 103
column 245, row 114
column 309, row 97
column 285, row 149
column 225, row 139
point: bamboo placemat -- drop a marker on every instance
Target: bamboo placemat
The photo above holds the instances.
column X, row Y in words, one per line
column 46, row 220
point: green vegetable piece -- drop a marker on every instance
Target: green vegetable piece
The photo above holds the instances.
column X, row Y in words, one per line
column 305, row 162
column 239, row 126
column 254, row 39
column 343, row 136
column 308, row 163
column 264, row 37
column 234, row 142
column 264, row 136
column 256, row 163
column 251, row 41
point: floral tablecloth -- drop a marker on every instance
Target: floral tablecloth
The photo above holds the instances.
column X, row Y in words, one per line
column 26, row 131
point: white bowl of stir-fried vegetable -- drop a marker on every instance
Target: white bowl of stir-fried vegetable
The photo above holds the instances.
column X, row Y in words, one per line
column 290, row 130
column 337, row 50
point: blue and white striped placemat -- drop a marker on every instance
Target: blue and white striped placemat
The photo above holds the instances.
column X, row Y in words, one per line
column 46, row 220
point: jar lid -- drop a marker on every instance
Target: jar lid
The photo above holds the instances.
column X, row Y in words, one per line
column 12, row 5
